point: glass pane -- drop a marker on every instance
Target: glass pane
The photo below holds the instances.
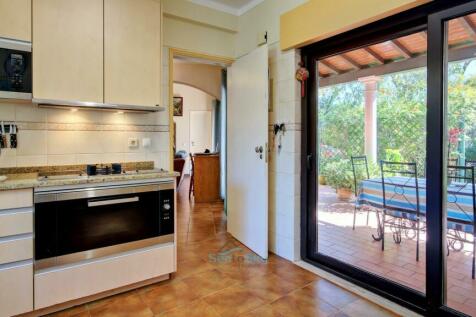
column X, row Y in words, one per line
column 461, row 145
column 371, row 164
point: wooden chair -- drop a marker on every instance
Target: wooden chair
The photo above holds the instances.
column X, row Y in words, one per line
column 191, row 188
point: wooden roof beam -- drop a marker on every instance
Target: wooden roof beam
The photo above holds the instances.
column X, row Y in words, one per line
column 331, row 67
column 349, row 60
column 468, row 26
column 401, row 48
column 374, row 54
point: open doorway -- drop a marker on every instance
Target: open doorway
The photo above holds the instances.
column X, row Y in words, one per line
column 198, row 95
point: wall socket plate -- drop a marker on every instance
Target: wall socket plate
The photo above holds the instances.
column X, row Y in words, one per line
column 133, row 142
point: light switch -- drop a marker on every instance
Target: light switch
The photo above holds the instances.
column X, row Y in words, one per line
column 146, row 142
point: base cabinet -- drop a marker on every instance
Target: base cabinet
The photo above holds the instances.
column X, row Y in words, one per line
column 16, row 289
column 59, row 285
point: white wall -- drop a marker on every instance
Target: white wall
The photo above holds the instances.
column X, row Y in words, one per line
column 193, row 100
column 284, row 165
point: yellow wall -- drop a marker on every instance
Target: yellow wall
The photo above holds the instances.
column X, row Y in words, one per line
column 187, row 10
column 320, row 19
column 200, row 29
column 201, row 76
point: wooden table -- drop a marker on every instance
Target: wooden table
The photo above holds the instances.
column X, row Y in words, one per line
column 206, row 177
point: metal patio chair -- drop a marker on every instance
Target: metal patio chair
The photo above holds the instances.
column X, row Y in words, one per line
column 461, row 211
column 401, row 202
column 360, row 167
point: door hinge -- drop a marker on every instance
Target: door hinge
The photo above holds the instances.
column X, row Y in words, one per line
column 309, row 162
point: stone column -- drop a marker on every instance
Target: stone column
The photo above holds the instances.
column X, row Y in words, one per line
column 370, row 127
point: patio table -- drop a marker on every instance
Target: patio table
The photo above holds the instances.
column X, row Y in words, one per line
column 401, row 200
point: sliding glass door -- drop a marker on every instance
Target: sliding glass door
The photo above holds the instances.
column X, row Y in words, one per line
column 389, row 193
column 371, row 143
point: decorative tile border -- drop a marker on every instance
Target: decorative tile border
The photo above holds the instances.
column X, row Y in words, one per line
column 59, row 169
column 25, row 125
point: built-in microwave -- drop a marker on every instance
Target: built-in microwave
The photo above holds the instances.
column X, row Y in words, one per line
column 77, row 224
column 15, row 69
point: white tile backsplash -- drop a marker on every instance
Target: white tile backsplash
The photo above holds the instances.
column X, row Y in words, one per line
column 31, row 142
column 284, row 164
column 31, row 160
column 84, row 142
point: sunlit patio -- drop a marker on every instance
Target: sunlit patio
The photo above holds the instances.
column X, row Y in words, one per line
column 397, row 262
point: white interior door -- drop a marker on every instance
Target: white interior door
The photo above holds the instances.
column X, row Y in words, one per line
column 247, row 139
column 200, row 131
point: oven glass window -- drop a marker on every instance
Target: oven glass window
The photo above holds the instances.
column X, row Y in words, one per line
column 72, row 226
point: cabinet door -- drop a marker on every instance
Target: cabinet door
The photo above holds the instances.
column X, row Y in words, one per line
column 132, row 52
column 68, row 50
column 15, row 22
column 16, row 288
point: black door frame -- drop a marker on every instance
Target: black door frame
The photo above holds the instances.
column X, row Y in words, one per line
column 428, row 17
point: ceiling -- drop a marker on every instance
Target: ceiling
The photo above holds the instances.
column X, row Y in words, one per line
column 235, row 7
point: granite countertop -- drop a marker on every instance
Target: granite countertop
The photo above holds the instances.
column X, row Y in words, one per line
column 31, row 180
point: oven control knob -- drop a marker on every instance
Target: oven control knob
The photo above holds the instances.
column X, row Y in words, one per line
column 167, row 206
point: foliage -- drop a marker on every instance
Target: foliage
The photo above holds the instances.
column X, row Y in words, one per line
column 339, row 175
column 401, row 117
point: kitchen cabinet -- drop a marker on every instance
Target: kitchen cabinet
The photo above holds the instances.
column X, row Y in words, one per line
column 132, row 31
column 16, row 19
column 16, row 252
column 16, row 288
column 68, row 50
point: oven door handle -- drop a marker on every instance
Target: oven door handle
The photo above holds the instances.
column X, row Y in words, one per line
column 96, row 203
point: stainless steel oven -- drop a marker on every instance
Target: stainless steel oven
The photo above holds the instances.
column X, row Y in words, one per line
column 73, row 225
column 15, row 69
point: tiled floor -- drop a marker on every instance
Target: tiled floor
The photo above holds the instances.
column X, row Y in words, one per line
column 397, row 262
column 219, row 277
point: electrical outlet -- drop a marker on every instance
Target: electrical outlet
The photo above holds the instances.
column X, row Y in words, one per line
column 133, row 142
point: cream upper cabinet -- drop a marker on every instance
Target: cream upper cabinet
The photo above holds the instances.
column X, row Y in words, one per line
column 68, row 50
column 15, row 22
column 132, row 52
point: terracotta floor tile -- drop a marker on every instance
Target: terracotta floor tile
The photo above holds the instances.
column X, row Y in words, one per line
column 269, row 287
column 364, row 308
column 208, row 282
column 187, row 268
column 168, row 296
column 233, row 301
column 128, row 306
column 263, row 311
column 197, row 308
column 303, row 303
column 77, row 311
column 294, row 273
column 333, row 294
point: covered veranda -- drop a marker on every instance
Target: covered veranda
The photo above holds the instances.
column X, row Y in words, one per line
column 367, row 68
